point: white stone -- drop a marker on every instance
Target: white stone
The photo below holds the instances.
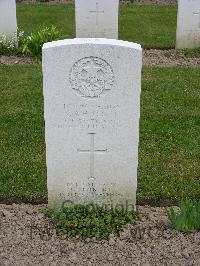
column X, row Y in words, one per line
column 92, row 108
column 97, row 18
column 188, row 24
column 8, row 20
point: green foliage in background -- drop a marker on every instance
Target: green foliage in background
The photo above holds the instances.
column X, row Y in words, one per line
column 90, row 221
column 13, row 45
column 188, row 219
column 19, row 44
column 151, row 26
column 34, row 42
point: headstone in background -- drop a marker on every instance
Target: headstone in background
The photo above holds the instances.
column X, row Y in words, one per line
column 92, row 109
column 97, row 18
column 8, row 20
column 188, row 24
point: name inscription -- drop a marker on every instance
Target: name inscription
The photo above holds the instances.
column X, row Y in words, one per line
column 104, row 190
column 83, row 116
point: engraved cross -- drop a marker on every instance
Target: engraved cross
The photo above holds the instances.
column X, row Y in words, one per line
column 97, row 12
column 197, row 14
column 92, row 152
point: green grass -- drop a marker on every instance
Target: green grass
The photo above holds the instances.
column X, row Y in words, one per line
column 169, row 136
column 31, row 17
column 169, row 158
column 151, row 26
column 22, row 157
column 192, row 52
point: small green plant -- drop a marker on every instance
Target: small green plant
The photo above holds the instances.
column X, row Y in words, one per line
column 90, row 221
column 34, row 226
column 34, row 42
column 192, row 53
column 12, row 45
column 188, row 219
column 20, row 44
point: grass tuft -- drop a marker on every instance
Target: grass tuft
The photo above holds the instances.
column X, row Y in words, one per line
column 188, row 219
column 192, row 53
column 90, row 221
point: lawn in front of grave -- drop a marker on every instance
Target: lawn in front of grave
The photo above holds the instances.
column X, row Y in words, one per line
column 169, row 135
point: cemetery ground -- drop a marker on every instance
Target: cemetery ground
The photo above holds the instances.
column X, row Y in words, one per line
column 153, row 20
column 168, row 171
column 168, row 154
column 150, row 19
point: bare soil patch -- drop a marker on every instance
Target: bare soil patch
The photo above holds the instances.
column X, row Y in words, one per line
column 168, row 58
column 14, row 60
column 151, row 241
column 151, row 58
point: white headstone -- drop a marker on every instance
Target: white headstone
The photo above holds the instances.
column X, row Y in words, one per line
column 92, row 108
column 188, row 24
column 8, row 20
column 97, row 18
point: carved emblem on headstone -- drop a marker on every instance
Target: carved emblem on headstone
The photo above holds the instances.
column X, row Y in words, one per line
column 91, row 76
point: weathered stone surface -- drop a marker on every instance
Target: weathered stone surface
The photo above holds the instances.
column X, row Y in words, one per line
column 188, row 24
column 8, row 20
column 97, row 18
column 92, row 109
